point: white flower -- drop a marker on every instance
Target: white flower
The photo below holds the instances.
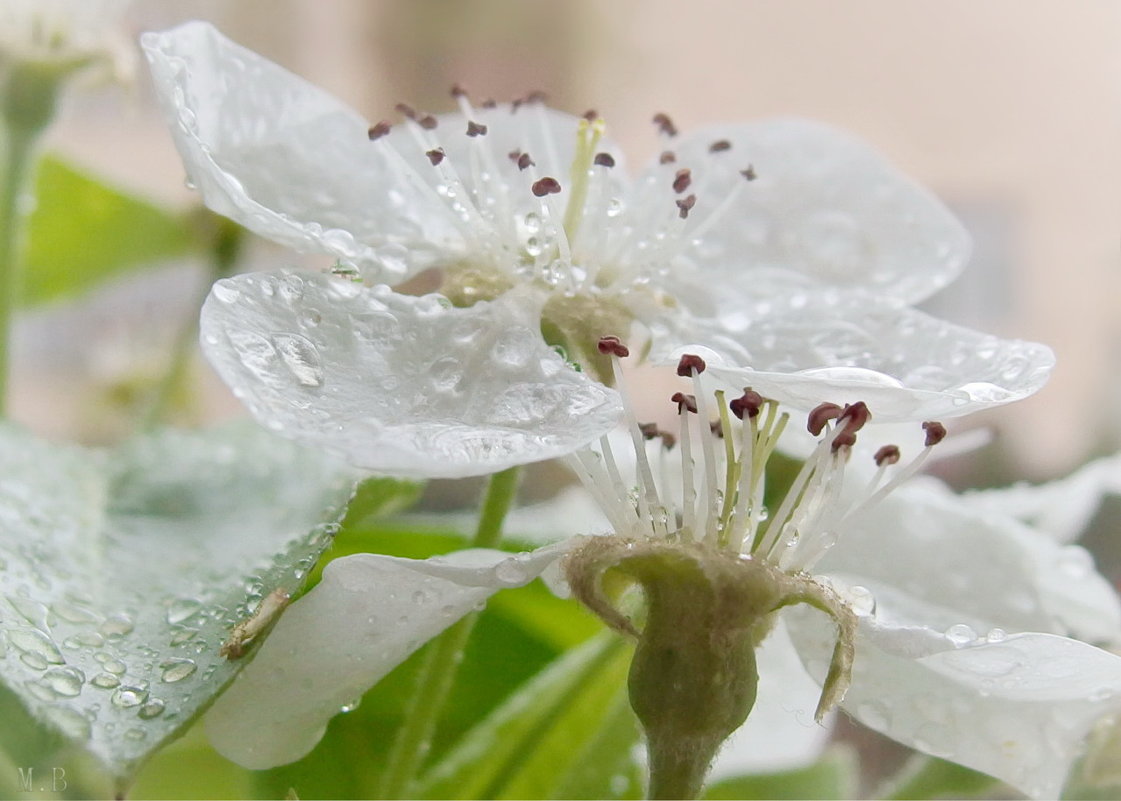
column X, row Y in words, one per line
column 789, row 248
column 64, row 34
column 972, row 629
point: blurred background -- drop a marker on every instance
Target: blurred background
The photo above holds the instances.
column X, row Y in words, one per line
column 1009, row 111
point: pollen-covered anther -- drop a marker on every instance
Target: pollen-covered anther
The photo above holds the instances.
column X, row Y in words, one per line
column 457, row 91
column 719, row 146
column 750, row 403
column 685, row 205
column 604, row 160
column 435, row 156
column 667, row 157
column 523, row 160
column 681, row 180
column 888, row 454
column 546, row 186
column 475, row 128
column 685, row 403
column 379, row 130
column 591, row 115
column 614, row 346
column 749, row 173
column 690, row 365
column 665, row 124
column 822, row 414
column 852, row 419
column 935, row 432
column 427, row 122
column 405, row 110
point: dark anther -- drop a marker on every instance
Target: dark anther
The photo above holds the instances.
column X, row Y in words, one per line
column 536, row 96
column 490, row 102
column 690, row 365
column 458, row 91
column 379, row 130
column 750, row 403
column 681, row 180
column 406, row 110
column 604, row 160
column 846, row 439
column 649, row 430
column 935, row 432
column 855, row 416
column 665, row 124
column 749, row 173
column 475, row 129
column 614, row 346
column 427, row 122
column 685, row 206
column 717, row 428
column 821, row 415
column 667, row 157
column 591, row 115
column 719, row 146
column 888, row 454
column 525, row 161
column 435, row 156
column 545, row 186
column 685, row 403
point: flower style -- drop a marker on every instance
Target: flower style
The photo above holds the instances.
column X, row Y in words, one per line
column 787, row 247
column 965, row 630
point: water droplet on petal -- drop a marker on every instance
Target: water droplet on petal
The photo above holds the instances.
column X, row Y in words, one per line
column 960, row 634
column 182, row 609
column 152, row 709
column 35, row 643
column 126, row 696
column 116, row 626
column 350, row 706
column 65, row 681
column 177, row 669
column 105, row 681
column 301, row 358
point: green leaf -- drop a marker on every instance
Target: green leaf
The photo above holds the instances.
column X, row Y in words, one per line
column 532, row 745
column 929, row 777
column 122, row 573
column 831, row 777
column 82, row 232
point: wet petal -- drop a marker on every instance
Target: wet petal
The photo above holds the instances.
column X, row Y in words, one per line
column 400, row 384
column 291, row 162
column 1062, row 508
column 363, row 619
column 824, row 207
column 990, row 572
column 803, row 349
column 1018, row 708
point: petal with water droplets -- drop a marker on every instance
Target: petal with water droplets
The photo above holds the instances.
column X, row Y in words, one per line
column 363, row 619
column 400, row 384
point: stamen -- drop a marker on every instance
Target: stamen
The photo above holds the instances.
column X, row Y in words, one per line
column 686, row 403
column 720, row 146
column 604, row 160
column 749, row 403
column 436, row 155
column 591, row 115
column 406, row 110
column 749, row 173
column 665, row 124
column 475, row 128
column 685, row 206
column 546, row 186
column 379, row 130
column 457, row 91
column 428, row 122
column 820, row 416
column 887, row 455
column 690, row 365
column 489, row 103
column 935, row 432
column 681, row 180
column 614, row 346
column 667, row 157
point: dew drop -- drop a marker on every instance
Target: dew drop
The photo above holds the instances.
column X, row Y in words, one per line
column 182, row 609
column 105, row 681
column 65, row 681
column 126, row 696
column 614, row 207
column 33, row 612
column 996, row 635
column 114, row 666
column 861, row 600
column 135, row 734
column 510, row 572
column 532, row 222
column 291, row 288
column 35, row 645
column 182, row 636
column 116, row 626
column 152, row 709
column 226, row 292
column 350, row 706
column 960, row 634
column 177, row 669
column 301, row 358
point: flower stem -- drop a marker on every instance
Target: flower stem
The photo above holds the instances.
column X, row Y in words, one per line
column 27, row 103
column 441, row 661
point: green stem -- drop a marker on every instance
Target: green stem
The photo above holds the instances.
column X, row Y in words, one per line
column 226, row 246
column 20, row 133
column 441, row 661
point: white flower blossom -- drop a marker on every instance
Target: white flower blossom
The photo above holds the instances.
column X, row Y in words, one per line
column 974, row 631
column 789, row 248
column 64, row 34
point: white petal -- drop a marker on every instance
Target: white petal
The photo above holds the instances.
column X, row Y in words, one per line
column 780, row 733
column 1060, row 508
column 825, row 208
column 291, row 162
column 930, row 559
column 363, row 619
column 1018, row 709
column 396, row 383
column 804, row 349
